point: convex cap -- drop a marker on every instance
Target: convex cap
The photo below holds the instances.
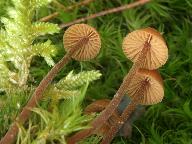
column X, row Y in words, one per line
column 87, row 49
column 134, row 42
column 153, row 91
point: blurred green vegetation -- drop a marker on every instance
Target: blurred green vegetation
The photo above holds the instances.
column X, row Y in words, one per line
column 167, row 122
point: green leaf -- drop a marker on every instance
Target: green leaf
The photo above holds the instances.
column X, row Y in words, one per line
column 95, row 139
column 187, row 109
column 57, row 94
column 4, row 73
column 41, row 28
column 45, row 50
column 40, row 3
column 45, row 115
column 71, row 81
column 2, row 39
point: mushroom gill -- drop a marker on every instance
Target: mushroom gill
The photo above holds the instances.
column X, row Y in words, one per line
column 85, row 38
column 153, row 91
column 157, row 54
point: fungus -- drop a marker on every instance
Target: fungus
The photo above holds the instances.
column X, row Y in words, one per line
column 97, row 106
column 89, row 48
column 156, row 55
column 82, row 42
column 153, row 89
column 146, row 89
column 147, row 49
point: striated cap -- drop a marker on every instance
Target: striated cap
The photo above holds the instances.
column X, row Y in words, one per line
column 153, row 91
column 88, row 48
column 156, row 56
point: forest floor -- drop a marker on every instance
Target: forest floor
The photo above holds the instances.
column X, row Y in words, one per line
column 167, row 122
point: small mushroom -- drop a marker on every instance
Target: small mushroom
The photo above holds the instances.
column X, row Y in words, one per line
column 88, row 48
column 156, row 55
column 153, row 90
column 147, row 89
column 96, row 106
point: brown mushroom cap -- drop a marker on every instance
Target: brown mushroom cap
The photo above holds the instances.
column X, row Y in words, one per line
column 97, row 106
column 153, row 91
column 134, row 42
column 87, row 50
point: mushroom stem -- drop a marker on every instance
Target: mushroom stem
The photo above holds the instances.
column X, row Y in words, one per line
column 38, row 94
column 125, row 115
column 116, row 127
column 104, row 116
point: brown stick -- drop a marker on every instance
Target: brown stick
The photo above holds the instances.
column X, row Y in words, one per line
column 65, row 9
column 10, row 136
column 49, row 17
column 124, row 116
column 104, row 116
column 102, row 13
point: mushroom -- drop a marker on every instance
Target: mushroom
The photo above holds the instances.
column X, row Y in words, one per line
column 90, row 46
column 156, row 55
column 146, row 89
column 96, row 106
column 82, row 42
column 153, row 91
column 147, row 49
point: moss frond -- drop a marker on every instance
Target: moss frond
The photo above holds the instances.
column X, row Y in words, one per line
column 71, row 81
column 95, row 139
column 17, row 38
column 45, row 50
column 41, row 28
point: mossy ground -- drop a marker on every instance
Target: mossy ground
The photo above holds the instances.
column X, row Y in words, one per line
column 167, row 122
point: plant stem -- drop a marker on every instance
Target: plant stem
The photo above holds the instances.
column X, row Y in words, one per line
column 10, row 136
column 105, row 12
column 125, row 115
column 104, row 116
column 49, row 17
column 55, row 14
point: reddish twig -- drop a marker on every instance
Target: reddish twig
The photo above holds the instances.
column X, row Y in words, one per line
column 82, row 3
column 65, row 9
column 49, row 17
column 102, row 13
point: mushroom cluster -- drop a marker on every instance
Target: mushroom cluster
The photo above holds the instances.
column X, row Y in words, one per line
column 147, row 50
